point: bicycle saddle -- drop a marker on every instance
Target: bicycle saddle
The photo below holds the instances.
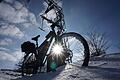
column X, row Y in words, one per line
column 36, row 38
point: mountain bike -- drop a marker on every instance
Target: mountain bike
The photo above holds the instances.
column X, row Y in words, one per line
column 58, row 48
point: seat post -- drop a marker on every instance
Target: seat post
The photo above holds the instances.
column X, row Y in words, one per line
column 37, row 43
column 36, row 40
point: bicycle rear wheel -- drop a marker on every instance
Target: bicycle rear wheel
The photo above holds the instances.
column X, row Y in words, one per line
column 79, row 47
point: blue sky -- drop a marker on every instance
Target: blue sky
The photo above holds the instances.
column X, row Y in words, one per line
column 19, row 22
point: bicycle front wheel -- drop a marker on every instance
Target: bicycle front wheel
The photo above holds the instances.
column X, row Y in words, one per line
column 78, row 46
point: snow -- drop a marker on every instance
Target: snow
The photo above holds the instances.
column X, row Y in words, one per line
column 8, row 74
column 100, row 68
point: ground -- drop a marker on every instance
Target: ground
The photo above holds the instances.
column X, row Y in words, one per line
column 105, row 67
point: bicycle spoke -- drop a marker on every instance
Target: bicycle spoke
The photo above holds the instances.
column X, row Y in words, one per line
column 77, row 45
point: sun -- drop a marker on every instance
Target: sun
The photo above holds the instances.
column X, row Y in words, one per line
column 57, row 49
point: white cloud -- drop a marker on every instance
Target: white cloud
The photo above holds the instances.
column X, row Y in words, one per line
column 11, row 30
column 4, row 49
column 17, row 5
column 5, row 41
column 14, row 56
column 12, row 15
column 32, row 19
column 16, row 12
column 6, row 12
column 18, row 54
column 6, row 56
column 9, row 1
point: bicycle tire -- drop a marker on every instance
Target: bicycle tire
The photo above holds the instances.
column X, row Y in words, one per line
column 83, row 42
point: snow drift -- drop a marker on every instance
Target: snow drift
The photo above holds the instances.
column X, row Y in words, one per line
column 106, row 67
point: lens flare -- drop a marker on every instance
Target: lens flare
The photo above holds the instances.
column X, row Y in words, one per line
column 57, row 49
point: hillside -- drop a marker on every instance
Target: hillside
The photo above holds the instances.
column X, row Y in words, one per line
column 106, row 67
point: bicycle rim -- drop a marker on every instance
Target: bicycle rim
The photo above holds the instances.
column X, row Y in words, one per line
column 79, row 47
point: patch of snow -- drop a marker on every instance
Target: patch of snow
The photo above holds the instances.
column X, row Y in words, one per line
column 100, row 68
column 8, row 75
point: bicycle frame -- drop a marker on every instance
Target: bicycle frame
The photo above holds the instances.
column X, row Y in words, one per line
column 43, row 52
column 49, row 38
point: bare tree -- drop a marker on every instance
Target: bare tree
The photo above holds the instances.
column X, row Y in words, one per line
column 98, row 43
